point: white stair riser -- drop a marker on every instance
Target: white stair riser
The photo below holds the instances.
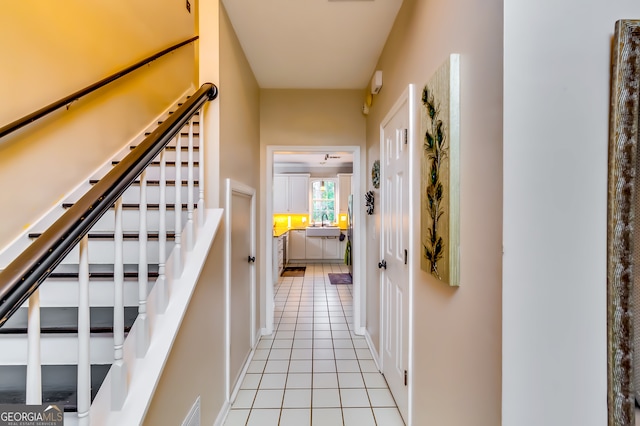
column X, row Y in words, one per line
column 58, row 292
column 132, row 195
column 153, row 172
column 55, row 349
column 103, row 252
column 131, row 220
column 170, row 155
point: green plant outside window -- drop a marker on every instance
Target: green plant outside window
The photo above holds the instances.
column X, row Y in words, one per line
column 323, row 201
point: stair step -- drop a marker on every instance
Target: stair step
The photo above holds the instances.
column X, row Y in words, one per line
column 168, row 163
column 64, row 320
column 106, row 235
column 171, row 182
column 173, row 148
column 130, row 206
column 101, row 271
column 58, row 384
column 195, row 134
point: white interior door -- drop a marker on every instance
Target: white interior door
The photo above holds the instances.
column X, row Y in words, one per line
column 394, row 189
column 240, row 278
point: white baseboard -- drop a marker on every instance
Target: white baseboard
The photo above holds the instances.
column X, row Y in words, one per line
column 222, row 415
column 372, row 348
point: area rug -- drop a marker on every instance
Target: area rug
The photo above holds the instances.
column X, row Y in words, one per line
column 340, row 278
column 294, row 271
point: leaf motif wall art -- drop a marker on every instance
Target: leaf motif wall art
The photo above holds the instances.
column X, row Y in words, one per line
column 440, row 173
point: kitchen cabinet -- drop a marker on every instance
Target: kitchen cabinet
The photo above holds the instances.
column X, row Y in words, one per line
column 279, row 250
column 314, row 247
column 344, row 189
column 323, row 248
column 330, row 248
column 291, row 193
column 297, row 244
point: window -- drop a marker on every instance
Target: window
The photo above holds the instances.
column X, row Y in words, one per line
column 323, row 200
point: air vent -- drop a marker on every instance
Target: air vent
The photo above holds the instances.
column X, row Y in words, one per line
column 193, row 418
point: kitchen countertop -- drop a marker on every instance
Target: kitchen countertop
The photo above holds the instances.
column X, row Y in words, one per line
column 278, row 232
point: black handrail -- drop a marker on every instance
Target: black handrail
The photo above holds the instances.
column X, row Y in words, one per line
column 27, row 119
column 22, row 276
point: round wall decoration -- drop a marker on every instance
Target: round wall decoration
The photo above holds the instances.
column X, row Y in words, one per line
column 375, row 174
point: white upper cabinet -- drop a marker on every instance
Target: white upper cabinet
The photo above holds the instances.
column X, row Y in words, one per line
column 344, row 189
column 291, row 193
column 299, row 194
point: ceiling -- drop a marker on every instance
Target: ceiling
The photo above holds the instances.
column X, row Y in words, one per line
column 312, row 44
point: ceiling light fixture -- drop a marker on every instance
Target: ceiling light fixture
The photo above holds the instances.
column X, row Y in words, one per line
column 322, row 188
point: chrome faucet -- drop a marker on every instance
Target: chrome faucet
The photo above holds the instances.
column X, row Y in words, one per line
column 323, row 216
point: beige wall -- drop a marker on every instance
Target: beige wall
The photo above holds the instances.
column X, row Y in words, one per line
column 456, row 375
column 239, row 126
column 196, row 365
column 54, row 53
column 311, row 117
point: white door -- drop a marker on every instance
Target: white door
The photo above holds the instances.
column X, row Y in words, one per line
column 394, row 241
column 240, row 279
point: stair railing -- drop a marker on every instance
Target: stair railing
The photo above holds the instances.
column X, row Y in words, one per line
column 20, row 280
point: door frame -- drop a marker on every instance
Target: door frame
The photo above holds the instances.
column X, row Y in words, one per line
column 409, row 96
column 234, row 187
column 359, row 289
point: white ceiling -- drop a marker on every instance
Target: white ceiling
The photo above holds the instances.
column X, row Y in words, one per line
column 312, row 44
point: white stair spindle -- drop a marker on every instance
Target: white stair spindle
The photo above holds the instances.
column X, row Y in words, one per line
column 119, row 368
column 201, row 206
column 177, row 256
column 189, row 226
column 162, row 288
column 34, row 366
column 84, row 333
column 142, row 335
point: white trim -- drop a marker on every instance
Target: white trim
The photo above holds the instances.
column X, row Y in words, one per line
column 409, row 97
column 234, row 187
column 376, row 357
column 222, row 414
column 359, row 271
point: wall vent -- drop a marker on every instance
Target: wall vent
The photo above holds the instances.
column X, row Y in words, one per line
column 193, row 418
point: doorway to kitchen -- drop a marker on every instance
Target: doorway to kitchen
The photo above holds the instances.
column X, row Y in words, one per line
column 318, row 210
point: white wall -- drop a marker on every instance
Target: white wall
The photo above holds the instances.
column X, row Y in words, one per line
column 556, row 109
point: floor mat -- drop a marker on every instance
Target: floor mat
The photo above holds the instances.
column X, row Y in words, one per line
column 340, row 278
column 294, row 271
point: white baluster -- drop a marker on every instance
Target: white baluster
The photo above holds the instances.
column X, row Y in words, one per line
column 142, row 335
column 189, row 226
column 177, row 257
column 162, row 288
column 119, row 368
column 34, row 369
column 201, row 169
column 84, row 333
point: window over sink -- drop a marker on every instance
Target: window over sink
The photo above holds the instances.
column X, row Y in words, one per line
column 323, row 201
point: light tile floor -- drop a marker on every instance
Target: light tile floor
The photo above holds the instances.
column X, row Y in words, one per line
column 313, row 370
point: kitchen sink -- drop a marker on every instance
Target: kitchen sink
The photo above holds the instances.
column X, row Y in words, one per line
column 323, row 231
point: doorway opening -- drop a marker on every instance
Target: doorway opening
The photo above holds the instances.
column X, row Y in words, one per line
column 334, row 216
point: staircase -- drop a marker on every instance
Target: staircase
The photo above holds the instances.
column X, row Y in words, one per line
column 157, row 215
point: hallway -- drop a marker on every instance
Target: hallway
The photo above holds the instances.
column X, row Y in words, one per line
column 313, row 369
